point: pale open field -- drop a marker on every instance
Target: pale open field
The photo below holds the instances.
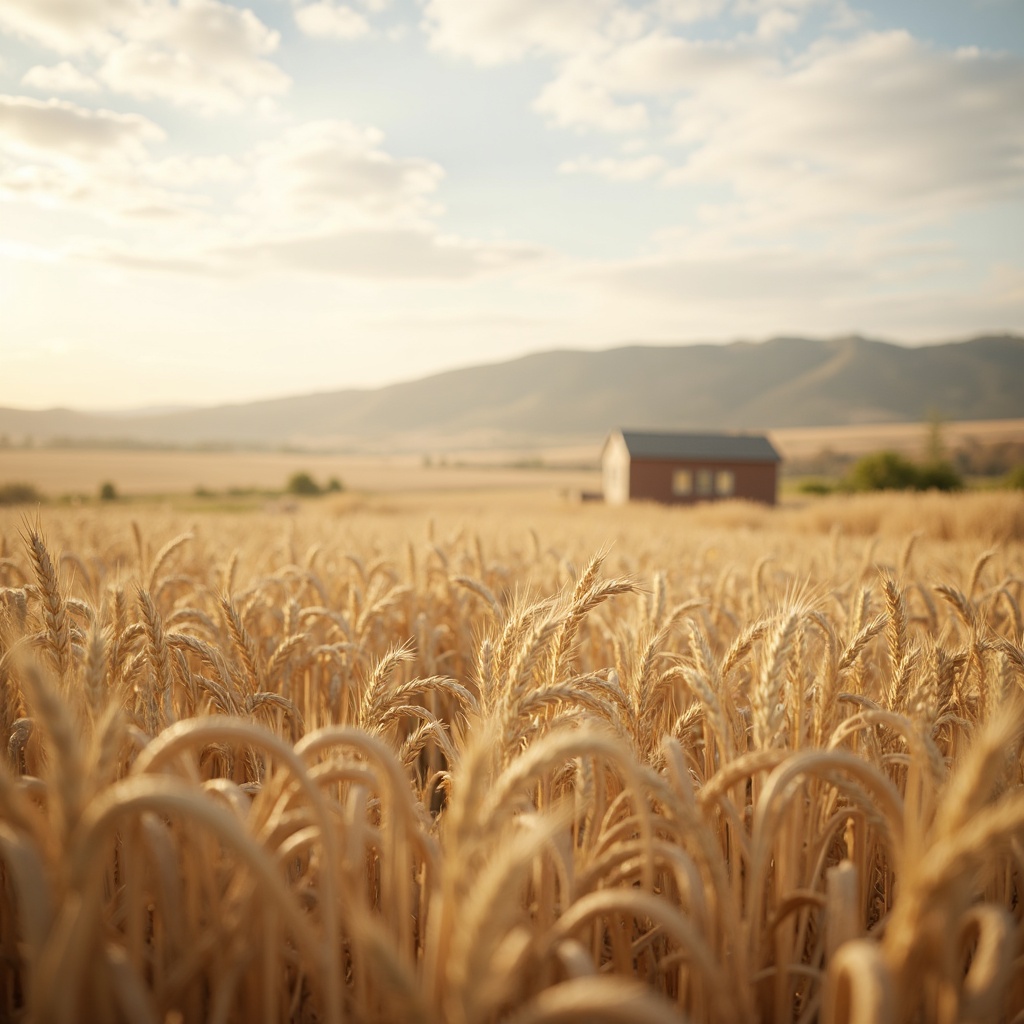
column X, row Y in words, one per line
column 57, row 472
column 70, row 471
column 909, row 438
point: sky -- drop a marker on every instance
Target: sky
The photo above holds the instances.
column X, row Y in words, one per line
column 207, row 201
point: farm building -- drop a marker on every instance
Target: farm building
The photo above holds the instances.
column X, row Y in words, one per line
column 687, row 468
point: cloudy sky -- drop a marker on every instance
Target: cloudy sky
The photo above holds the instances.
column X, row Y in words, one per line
column 215, row 200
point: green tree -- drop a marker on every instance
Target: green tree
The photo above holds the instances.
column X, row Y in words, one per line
column 303, row 484
column 890, row 471
column 108, row 492
column 939, row 476
column 882, row 471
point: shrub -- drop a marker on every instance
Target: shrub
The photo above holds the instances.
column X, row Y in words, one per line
column 108, row 492
column 335, row 486
column 815, row 487
column 19, row 494
column 882, row 471
column 1015, row 478
column 939, row 476
column 302, row 483
column 890, row 471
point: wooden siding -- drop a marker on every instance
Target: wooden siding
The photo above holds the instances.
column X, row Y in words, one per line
column 651, row 480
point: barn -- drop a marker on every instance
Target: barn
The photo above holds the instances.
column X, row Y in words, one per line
column 686, row 468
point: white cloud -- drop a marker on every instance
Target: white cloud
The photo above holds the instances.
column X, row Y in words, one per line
column 849, row 127
column 861, row 126
column 61, row 78
column 59, row 128
column 496, row 31
column 186, row 171
column 580, row 101
column 67, row 26
column 686, row 11
column 640, row 168
column 325, row 197
column 861, row 148
column 153, row 71
column 610, row 88
column 776, row 23
column 202, row 53
column 765, row 277
column 788, row 14
column 139, row 258
column 210, row 30
column 372, row 254
column 57, row 154
column 661, row 64
column 339, row 173
column 381, row 254
column 107, row 193
column 716, row 295
column 331, row 21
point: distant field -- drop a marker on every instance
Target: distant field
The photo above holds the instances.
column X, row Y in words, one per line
column 909, row 438
column 58, row 472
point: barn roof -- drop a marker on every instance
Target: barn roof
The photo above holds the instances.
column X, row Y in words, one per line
column 724, row 447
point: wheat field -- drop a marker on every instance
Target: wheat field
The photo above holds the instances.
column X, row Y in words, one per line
column 479, row 762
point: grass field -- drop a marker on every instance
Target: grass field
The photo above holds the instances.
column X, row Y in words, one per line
column 908, row 438
column 495, row 757
column 58, row 472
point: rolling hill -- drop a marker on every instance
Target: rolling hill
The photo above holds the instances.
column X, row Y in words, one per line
column 570, row 396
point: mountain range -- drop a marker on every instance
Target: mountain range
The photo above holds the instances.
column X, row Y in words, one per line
column 571, row 396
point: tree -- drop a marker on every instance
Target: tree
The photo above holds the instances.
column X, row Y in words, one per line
column 890, row 471
column 303, row 484
column 108, row 492
column 882, row 471
column 939, row 476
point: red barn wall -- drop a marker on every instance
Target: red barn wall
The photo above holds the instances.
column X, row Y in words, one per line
column 651, row 480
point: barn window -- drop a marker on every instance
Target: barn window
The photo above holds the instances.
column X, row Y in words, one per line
column 725, row 483
column 705, row 483
column 682, row 482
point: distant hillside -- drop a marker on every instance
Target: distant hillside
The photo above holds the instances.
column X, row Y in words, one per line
column 572, row 396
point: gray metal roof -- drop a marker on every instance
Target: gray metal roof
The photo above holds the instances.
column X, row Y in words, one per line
column 725, row 447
